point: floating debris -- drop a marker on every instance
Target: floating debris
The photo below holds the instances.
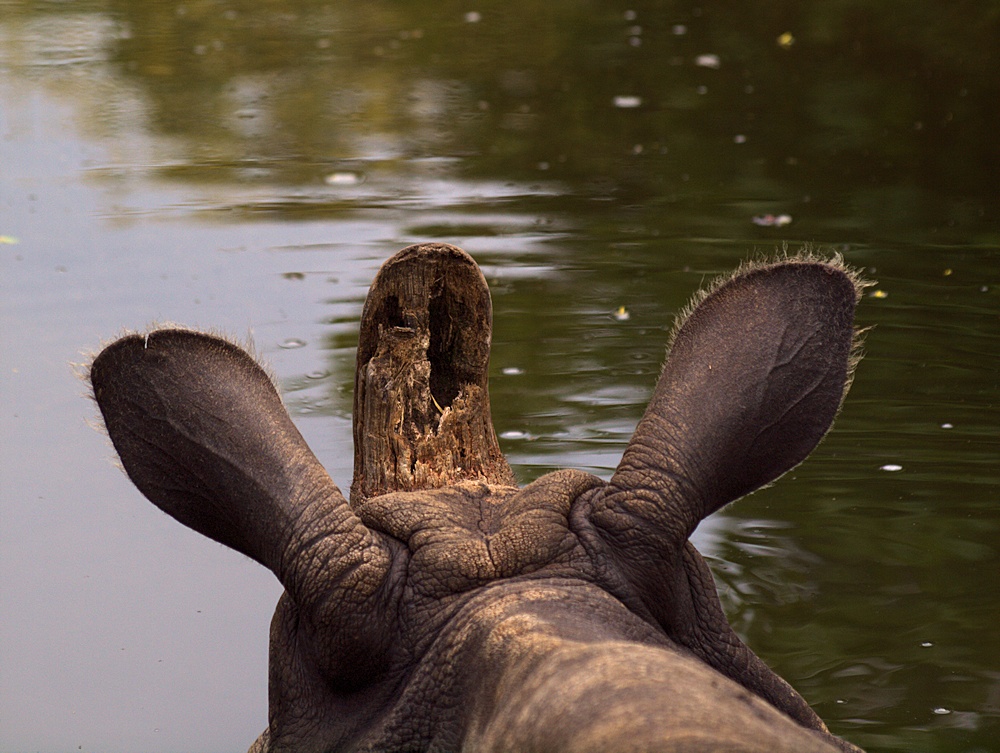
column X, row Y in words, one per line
column 621, row 314
column 627, row 101
column 708, row 61
column 771, row 220
column 786, row 40
column 878, row 294
column 291, row 343
column 891, row 467
column 294, row 276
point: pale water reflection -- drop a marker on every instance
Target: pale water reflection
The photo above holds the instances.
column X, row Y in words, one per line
column 246, row 168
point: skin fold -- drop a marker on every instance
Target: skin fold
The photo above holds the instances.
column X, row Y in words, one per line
column 442, row 608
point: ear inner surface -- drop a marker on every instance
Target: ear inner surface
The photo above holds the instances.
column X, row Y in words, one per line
column 754, row 378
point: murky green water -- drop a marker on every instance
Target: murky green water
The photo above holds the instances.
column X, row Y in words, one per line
column 247, row 166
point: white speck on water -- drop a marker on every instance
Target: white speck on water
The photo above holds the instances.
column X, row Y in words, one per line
column 708, row 61
column 343, row 178
column 926, row 644
column 680, row 30
column 947, row 426
column 473, row 17
column 512, row 371
column 318, row 374
column 514, row 434
column 941, row 711
column 739, row 138
column 627, row 101
column 630, row 15
column 891, row 467
column 291, row 343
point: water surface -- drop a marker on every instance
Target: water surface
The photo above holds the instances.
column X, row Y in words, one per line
column 245, row 167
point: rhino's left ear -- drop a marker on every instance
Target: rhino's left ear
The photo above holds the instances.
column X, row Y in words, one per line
column 202, row 432
column 755, row 376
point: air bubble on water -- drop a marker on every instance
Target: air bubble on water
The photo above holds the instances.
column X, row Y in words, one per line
column 627, row 101
column 473, row 17
column 512, row 371
column 708, row 61
column 318, row 374
column 291, row 343
column 514, row 434
column 891, row 467
column 680, row 30
column 926, row 644
column 947, row 426
column 343, row 178
column 942, row 711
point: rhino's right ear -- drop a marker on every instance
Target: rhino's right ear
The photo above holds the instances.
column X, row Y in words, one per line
column 754, row 378
column 202, row 432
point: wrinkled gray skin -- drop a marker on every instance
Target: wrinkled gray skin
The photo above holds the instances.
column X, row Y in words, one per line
column 569, row 615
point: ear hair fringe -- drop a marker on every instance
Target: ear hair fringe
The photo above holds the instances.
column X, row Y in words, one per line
column 807, row 255
column 81, row 369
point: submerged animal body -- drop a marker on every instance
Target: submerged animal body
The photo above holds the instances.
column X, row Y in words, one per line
column 443, row 608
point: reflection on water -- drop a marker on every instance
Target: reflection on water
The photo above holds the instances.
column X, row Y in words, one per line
column 248, row 165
